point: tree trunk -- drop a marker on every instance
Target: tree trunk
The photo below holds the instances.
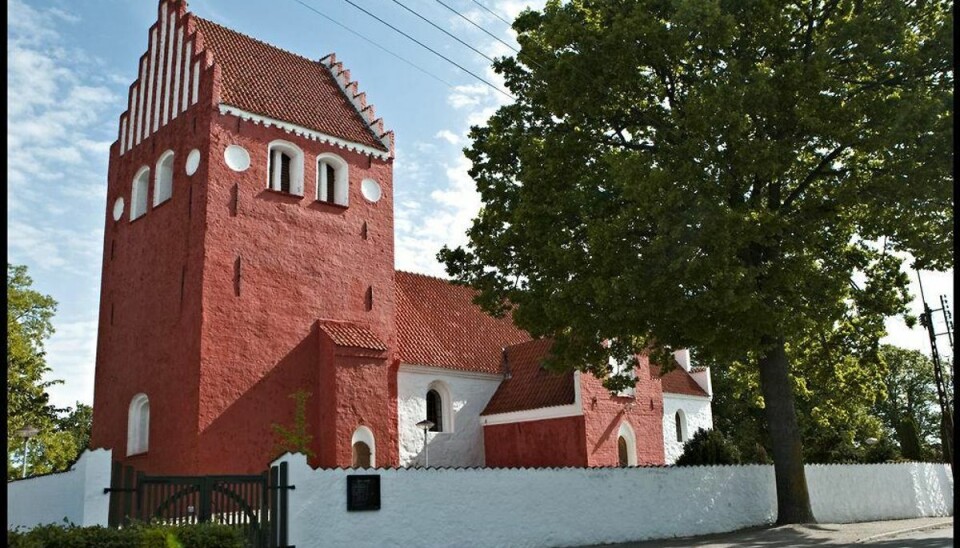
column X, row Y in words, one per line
column 793, row 500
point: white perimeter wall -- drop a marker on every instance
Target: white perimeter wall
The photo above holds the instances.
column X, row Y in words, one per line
column 469, row 393
column 571, row 506
column 698, row 415
column 76, row 495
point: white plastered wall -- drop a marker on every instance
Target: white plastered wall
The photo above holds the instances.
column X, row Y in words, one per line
column 698, row 415
column 534, row 507
column 469, row 394
column 76, row 495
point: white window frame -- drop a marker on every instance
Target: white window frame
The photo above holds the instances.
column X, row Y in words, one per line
column 446, row 405
column 296, row 165
column 680, row 425
column 626, row 432
column 138, row 425
column 341, row 188
column 163, row 179
column 139, row 193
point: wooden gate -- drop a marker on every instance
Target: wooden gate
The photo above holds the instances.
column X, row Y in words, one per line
column 257, row 504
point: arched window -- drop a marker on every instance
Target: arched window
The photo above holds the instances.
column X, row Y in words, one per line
column 440, row 407
column 138, row 425
column 626, row 445
column 285, row 167
column 435, row 410
column 139, row 192
column 681, row 421
column 163, row 184
column 332, row 179
column 364, row 448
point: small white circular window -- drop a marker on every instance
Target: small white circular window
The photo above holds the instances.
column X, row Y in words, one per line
column 370, row 190
column 237, row 158
column 118, row 209
column 193, row 161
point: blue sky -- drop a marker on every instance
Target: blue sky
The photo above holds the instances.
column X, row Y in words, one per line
column 69, row 66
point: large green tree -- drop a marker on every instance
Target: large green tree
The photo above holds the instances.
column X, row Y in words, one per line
column 713, row 174
column 63, row 433
column 911, row 397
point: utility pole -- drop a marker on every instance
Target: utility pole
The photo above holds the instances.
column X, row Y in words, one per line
column 946, row 420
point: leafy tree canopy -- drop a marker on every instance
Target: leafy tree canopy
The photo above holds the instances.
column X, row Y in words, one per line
column 63, row 433
column 713, row 174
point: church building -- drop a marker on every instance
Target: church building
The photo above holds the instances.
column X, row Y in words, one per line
column 249, row 255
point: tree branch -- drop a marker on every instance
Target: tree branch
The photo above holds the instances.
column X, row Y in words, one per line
column 815, row 174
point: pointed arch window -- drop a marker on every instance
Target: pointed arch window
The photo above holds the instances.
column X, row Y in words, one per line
column 681, row 424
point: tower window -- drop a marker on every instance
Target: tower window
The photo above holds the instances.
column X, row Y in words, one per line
column 138, row 425
column 332, row 179
column 285, row 168
column 139, row 192
column 163, row 185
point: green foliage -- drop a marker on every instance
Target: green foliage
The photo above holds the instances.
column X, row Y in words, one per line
column 63, row 432
column 909, row 436
column 297, row 438
column 910, row 393
column 708, row 447
column 203, row 535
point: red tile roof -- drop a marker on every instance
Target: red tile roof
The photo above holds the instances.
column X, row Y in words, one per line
column 438, row 325
column 351, row 335
column 531, row 386
column 677, row 381
column 263, row 79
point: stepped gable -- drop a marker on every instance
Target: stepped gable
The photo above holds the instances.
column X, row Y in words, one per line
column 262, row 79
column 530, row 386
column 438, row 325
column 677, row 381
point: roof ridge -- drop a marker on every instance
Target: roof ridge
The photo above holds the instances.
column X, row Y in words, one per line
column 357, row 98
column 257, row 40
column 451, row 282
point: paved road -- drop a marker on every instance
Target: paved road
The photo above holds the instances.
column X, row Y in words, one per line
column 913, row 533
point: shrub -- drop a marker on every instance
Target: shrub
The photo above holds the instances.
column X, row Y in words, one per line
column 202, row 535
column 708, row 447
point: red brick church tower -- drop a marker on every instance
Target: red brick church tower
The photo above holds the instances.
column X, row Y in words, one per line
column 248, row 254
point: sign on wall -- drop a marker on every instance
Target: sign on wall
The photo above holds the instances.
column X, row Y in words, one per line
column 363, row 492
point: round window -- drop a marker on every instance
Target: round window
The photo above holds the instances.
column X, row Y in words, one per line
column 193, row 161
column 236, row 158
column 370, row 190
column 118, row 209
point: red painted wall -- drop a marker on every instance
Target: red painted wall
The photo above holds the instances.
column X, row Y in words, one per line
column 603, row 414
column 260, row 268
column 543, row 443
column 148, row 339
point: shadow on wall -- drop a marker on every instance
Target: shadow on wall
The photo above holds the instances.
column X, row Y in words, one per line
column 241, row 439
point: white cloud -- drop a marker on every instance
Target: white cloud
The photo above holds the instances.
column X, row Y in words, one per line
column 448, row 136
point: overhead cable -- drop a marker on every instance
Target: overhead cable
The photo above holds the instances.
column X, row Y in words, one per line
column 357, row 34
column 431, row 50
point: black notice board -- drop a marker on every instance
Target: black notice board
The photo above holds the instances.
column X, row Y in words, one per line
column 363, row 492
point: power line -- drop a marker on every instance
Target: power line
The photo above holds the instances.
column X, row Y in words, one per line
column 468, row 20
column 491, row 12
column 441, row 29
column 431, row 50
column 355, row 33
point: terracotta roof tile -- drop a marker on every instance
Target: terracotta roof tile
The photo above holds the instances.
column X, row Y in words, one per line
column 677, row 381
column 351, row 335
column 438, row 325
column 263, row 79
column 531, row 386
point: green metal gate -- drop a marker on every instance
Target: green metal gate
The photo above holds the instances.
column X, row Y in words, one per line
column 257, row 504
